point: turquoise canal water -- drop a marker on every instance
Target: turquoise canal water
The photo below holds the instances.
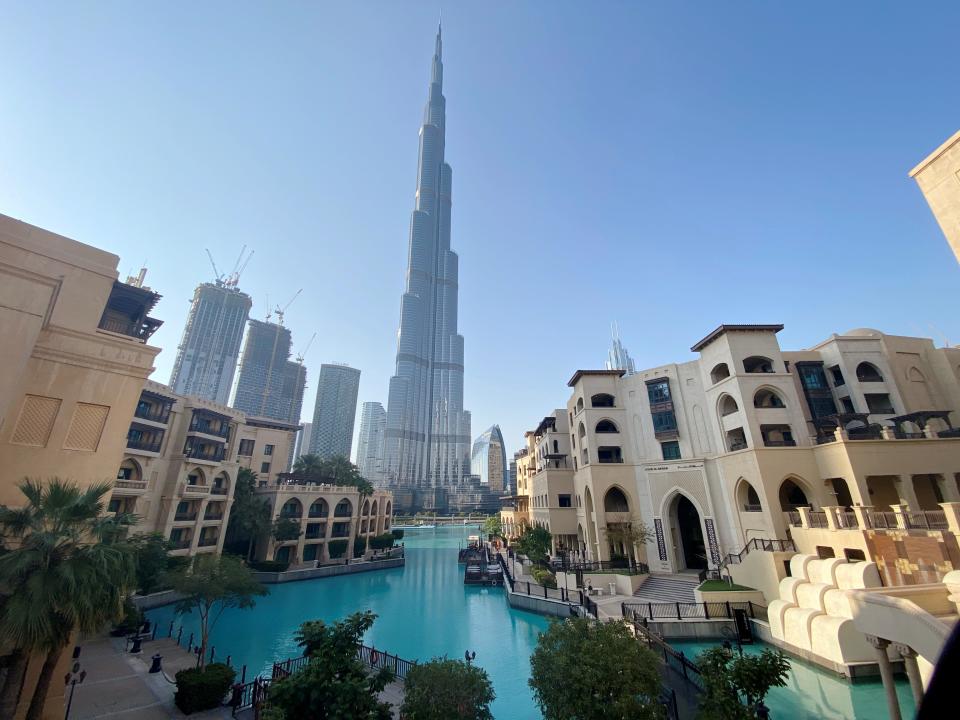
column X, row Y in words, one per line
column 814, row 694
column 425, row 611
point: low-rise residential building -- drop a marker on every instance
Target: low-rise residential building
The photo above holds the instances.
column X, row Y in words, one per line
column 325, row 513
column 715, row 452
column 179, row 472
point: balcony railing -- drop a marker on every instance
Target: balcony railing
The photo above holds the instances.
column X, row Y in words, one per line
column 752, row 508
column 951, row 433
column 122, row 326
column 876, row 520
column 818, row 519
column 213, row 516
column 780, row 443
column 824, row 439
column 136, row 485
column 185, row 517
column 157, row 413
column 864, row 434
column 218, row 490
column 204, row 426
column 217, row 454
column 738, row 445
column 146, row 444
column 207, row 541
column 193, row 489
column 901, row 435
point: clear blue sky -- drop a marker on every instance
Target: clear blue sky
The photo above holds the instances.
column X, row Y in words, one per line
column 671, row 166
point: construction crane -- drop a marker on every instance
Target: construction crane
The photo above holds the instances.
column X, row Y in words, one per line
column 216, row 273
column 303, row 353
column 279, row 311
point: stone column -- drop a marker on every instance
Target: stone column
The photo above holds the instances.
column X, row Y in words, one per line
column 887, row 432
column 908, row 497
column 886, row 675
column 952, row 511
column 909, row 656
column 831, row 513
column 901, row 513
column 804, row 516
column 948, row 487
column 863, row 513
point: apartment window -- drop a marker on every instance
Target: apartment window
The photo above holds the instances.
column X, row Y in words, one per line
column 114, row 505
column 265, row 467
column 837, row 376
column 664, row 421
column 246, row 448
column 658, row 391
column 812, row 377
column 268, row 449
column 879, row 404
column 609, row 454
column 854, row 555
column 671, row 450
column 847, row 405
column 564, row 501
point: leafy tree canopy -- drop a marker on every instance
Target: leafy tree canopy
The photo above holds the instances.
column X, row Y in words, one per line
column 152, row 562
column 535, row 543
column 285, row 529
column 335, row 684
column 250, row 515
column 336, row 470
column 493, row 526
column 213, row 584
column 442, row 689
column 735, row 685
column 585, row 670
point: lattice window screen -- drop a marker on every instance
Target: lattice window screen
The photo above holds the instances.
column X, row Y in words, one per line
column 35, row 423
column 86, row 427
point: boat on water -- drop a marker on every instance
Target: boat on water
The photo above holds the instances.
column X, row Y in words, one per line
column 414, row 527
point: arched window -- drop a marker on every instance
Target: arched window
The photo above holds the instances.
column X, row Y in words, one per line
column 606, row 426
column 615, row 501
column 344, row 508
column 720, row 372
column 727, row 405
column 747, row 497
column 130, row 470
column 319, row 508
column 388, row 509
column 758, row 364
column 556, row 447
column 221, row 484
column 866, row 372
column 366, row 508
column 582, row 431
column 767, row 398
column 579, row 404
column 601, row 400
column 291, row 509
column 196, row 477
column 792, row 496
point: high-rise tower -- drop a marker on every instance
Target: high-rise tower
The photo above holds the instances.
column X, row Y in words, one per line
column 427, row 438
column 207, row 355
column 373, row 421
column 617, row 357
column 270, row 385
column 335, row 411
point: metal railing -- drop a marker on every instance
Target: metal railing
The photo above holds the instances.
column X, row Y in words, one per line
column 144, row 444
column 752, row 508
column 205, row 427
column 524, row 587
column 691, row 611
column 818, row 519
column 673, row 659
column 926, row 520
column 160, row 414
column 216, row 455
column 621, row 567
column 759, row 544
column 779, row 443
column 877, row 520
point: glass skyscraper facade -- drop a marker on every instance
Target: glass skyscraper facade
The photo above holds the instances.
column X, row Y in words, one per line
column 207, row 355
column 373, row 423
column 489, row 460
column 335, row 411
column 427, row 437
column 270, row 385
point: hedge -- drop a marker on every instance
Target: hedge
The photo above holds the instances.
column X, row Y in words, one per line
column 382, row 542
column 397, row 534
column 337, row 548
column 544, row 577
column 270, row 566
column 359, row 546
column 203, row 689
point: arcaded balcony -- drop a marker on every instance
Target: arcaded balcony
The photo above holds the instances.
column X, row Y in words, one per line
column 777, row 436
column 126, row 312
column 736, row 440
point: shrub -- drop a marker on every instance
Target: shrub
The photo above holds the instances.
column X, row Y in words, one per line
column 270, row 566
column 382, row 542
column 397, row 534
column 203, row 689
column 337, row 548
column 442, row 689
column 359, row 546
column 544, row 577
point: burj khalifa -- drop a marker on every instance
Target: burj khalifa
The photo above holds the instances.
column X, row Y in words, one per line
column 427, row 436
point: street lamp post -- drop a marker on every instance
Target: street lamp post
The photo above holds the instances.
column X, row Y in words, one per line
column 72, row 678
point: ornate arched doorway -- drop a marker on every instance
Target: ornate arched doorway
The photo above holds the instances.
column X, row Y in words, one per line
column 691, row 550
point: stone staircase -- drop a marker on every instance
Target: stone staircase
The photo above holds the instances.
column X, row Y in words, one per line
column 667, row 588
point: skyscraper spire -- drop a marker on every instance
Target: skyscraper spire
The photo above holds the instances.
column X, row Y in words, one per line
column 618, row 358
column 427, row 437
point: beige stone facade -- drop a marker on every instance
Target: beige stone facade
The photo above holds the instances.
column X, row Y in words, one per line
column 181, row 463
column 715, row 452
column 938, row 177
column 325, row 513
column 74, row 358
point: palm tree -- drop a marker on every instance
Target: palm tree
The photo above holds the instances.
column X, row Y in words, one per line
column 311, row 465
column 66, row 573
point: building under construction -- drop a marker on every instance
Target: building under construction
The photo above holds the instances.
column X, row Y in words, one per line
column 270, row 384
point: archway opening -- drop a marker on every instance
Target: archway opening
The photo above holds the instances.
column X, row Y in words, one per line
column 792, row 496
column 692, row 551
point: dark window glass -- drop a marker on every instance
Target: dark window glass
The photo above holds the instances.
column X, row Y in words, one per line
column 671, row 450
column 268, row 449
column 664, row 421
column 265, row 467
column 659, row 391
column 564, row 501
column 813, row 378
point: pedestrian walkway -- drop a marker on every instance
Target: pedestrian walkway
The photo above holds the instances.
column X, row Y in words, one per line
column 667, row 588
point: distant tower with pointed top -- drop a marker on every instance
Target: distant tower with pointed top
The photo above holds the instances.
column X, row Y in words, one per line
column 617, row 357
column 427, row 436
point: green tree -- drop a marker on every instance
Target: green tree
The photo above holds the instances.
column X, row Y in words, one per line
column 493, row 526
column 535, row 543
column 213, row 584
column 442, row 689
column 585, row 670
column 285, row 529
column 150, row 554
column 311, row 465
column 65, row 573
column 734, row 685
column 629, row 535
column 335, row 684
column 250, row 515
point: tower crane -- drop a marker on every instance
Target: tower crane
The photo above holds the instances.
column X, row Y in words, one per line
column 279, row 311
column 303, row 352
column 216, row 273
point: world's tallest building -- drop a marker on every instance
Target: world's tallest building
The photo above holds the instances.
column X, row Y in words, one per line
column 427, row 437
